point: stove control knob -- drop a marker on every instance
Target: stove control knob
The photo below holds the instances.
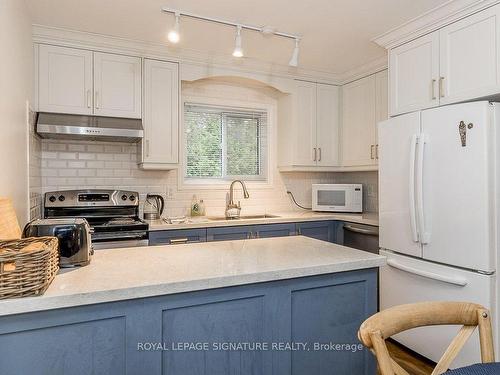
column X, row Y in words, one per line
column 61, row 198
column 132, row 198
column 52, row 198
column 124, row 197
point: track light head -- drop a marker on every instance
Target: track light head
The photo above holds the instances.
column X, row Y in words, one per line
column 294, row 61
column 173, row 35
column 238, row 51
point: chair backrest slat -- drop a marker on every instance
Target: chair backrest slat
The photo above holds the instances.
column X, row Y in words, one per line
column 453, row 349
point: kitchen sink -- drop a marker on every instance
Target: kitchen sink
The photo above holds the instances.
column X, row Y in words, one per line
column 243, row 217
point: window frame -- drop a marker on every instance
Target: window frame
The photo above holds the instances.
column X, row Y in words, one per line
column 222, row 184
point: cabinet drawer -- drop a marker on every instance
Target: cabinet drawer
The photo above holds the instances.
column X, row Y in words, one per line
column 229, row 233
column 320, row 230
column 171, row 237
column 274, row 230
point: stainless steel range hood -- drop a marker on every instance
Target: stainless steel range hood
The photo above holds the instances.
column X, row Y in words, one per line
column 110, row 129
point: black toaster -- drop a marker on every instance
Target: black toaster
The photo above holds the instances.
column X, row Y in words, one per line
column 75, row 244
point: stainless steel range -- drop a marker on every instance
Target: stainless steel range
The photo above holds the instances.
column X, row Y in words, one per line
column 112, row 214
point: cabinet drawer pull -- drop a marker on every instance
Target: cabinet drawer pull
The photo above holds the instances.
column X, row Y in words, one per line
column 433, row 84
column 441, row 87
column 89, row 99
column 371, row 152
column 174, row 241
column 96, row 99
column 376, row 152
column 319, row 159
column 315, row 154
column 147, row 148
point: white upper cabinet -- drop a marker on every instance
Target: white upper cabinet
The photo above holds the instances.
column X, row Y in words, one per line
column 64, row 80
column 414, row 75
column 327, row 129
column 117, row 85
column 359, row 122
column 469, row 57
column 305, row 140
column 457, row 63
column 82, row 82
column 161, row 115
column 309, row 128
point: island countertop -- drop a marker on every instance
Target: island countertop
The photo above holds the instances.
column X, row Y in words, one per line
column 122, row 274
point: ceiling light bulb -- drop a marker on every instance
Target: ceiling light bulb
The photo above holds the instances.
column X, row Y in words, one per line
column 173, row 35
column 294, row 61
column 238, row 51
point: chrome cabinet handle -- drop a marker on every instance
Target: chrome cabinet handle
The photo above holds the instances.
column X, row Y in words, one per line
column 96, row 99
column 147, row 147
column 89, row 99
column 319, row 159
column 433, row 83
column 441, row 87
column 371, row 152
column 376, row 152
column 315, row 154
column 174, row 241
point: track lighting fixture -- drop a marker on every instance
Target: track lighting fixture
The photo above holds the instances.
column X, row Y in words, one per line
column 294, row 61
column 173, row 35
column 238, row 51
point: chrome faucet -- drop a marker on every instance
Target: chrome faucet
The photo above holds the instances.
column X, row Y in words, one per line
column 233, row 210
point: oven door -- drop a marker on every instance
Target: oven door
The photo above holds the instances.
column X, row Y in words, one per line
column 332, row 199
column 114, row 240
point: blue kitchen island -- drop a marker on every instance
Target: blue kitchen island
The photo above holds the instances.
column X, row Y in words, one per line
column 288, row 305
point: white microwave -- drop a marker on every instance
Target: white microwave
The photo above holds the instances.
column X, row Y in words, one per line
column 337, row 197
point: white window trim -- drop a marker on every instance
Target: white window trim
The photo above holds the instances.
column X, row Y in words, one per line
column 271, row 110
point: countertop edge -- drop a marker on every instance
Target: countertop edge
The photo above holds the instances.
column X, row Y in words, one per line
column 351, row 218
column 33, row 304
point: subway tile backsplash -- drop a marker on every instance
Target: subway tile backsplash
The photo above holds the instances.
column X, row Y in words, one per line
column 84, row 164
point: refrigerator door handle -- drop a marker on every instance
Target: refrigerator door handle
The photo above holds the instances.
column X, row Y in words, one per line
column 423, row 234
column 411, row 188
column 459, row 281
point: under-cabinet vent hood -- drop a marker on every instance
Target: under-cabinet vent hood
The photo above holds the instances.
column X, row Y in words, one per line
column 111, row 129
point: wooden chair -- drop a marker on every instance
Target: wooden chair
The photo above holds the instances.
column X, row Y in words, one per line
column 377, row 328
column 9, row 226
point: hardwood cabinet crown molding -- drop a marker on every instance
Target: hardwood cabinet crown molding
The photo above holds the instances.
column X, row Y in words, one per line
column 432, row 20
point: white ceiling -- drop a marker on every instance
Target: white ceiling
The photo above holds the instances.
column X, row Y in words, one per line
column 336, row 33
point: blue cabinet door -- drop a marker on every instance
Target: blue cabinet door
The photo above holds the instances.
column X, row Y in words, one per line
column 241, row 232
column 274, row 230
column 171, row 237
column 321, row 230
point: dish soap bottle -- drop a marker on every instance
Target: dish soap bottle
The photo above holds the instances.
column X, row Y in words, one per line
column 195, row 207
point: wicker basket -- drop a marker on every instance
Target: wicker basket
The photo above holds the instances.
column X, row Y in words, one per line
column 27, row 266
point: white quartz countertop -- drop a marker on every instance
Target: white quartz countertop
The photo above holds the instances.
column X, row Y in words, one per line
column 121, row 274
column 279, row 217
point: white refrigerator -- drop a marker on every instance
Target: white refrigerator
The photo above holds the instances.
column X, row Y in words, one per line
column 439, row 194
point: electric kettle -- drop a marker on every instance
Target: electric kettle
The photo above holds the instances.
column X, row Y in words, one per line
column 153, row 207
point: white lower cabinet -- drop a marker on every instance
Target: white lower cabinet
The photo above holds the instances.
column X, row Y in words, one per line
column 364, row 104
column 160, row 146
